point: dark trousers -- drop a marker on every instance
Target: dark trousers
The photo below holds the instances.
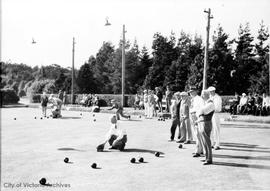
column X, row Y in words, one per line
column 119, row 144
column 265, row 111
column 120, row 112
column 205, row 132
column 175, row 123
column 233, row 109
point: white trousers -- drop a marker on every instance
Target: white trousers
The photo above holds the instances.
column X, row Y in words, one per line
column 145, row 108
column 215, row 135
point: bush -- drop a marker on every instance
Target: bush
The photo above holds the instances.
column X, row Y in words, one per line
column 22, row 93
column 225, row 101
column 34, row 98
column 8, row 96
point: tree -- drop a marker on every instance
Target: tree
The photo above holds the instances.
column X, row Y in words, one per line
column 59, row 82
column 260, row 80
column 85, row 80
column 221, row 64
column 164, row 52
column 101, row 67
column 245, row 66
column 195, row 57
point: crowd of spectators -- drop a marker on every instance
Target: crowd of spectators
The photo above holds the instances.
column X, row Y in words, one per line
column 251, row 104
column 89, row 100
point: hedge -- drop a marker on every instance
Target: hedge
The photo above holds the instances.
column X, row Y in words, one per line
column 8, row 96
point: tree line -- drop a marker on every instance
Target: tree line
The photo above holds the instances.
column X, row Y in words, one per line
column 235, row 65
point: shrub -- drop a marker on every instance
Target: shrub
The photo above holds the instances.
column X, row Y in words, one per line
column 22, row 93
column 8, row 96
column 34, row 98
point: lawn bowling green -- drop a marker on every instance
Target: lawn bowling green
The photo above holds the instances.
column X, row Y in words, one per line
column 34, row 149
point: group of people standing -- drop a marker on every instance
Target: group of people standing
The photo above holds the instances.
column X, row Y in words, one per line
column 196, row 116
column 151, row 101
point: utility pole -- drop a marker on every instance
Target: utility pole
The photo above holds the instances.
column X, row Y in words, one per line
column 123, row 66
column 72, row 72
column 205, row 67
column 269, row 67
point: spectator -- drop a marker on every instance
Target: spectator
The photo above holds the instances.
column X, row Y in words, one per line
column 137, row 102
column 159, row 100
column 145, row 102
column 258, row 105
column 60, row 95
column 64, row 98
column 242, row 104
column 250, row 104
column 44, row 102
column 266, row 105
column 168, row 97
column 235, row 102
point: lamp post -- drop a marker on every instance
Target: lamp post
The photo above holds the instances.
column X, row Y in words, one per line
column 72, row 71
column 123, row 61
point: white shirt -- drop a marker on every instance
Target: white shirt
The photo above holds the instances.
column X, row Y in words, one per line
column 117, row 130
column 243, row 100
column 196, row 103
column 266, row 101
column 217, row 102
column 207, row 108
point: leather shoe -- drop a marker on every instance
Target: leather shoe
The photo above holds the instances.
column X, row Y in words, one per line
column 196, row 155
column 207, row 163
column 216, row 147
column 179, row 141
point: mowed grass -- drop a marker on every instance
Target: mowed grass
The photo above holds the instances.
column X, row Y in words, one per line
column 35, row 148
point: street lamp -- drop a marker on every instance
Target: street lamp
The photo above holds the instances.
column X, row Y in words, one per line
column 123, row 61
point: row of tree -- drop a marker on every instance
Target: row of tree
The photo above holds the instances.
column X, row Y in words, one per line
column 235, row 65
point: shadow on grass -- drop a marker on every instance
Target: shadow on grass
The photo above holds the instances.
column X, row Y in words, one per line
column 243, row 145
column 256, row 166
column 69, row 149
column 70, row 118
column 242, row 157
column 252, row 126
column 245, row 150
column 142, row 151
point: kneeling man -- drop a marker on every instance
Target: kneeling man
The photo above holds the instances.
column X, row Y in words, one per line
column 116, row 136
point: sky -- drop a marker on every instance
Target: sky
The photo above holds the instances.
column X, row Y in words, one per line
column 53, row 24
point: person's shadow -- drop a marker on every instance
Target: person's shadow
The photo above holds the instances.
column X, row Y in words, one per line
column 136, row 150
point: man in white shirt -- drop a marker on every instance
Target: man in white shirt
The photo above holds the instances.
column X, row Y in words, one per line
column 116, row 136
column 205, row 120
column 266, row 105
column 196, row 103
column 215, row 119
column 243, row 103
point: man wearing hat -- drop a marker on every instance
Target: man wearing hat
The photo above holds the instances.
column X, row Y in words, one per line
column 175, row 115
column 215, row 119
column 243, row 103
column 205, row 121
column 195, row 105
column 185, row 129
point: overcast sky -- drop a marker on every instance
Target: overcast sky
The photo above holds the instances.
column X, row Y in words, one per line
column 53, row 24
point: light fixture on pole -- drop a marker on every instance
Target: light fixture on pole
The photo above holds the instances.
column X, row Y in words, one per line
column 123, row 60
